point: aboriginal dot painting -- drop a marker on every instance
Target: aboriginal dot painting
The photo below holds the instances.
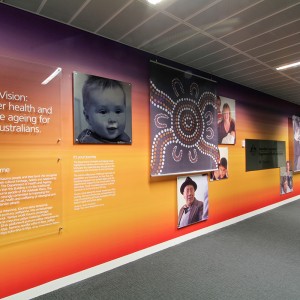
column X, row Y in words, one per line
column 183, row 122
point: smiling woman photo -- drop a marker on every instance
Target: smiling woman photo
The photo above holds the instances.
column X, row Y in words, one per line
column 226, row 128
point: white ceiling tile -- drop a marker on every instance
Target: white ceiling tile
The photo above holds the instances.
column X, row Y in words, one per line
column 218, row 12
column 50, row 9
column 148, row 30
column 97, row 12
column 286, row 52
column 285, row 59
column 183, row 9
column 219, row 56
column 169, row 38
column 186, row 45
column 203, row 51
column 270, row 36
column 240, row 68
column 126, row 20
column 278, row 44
column 233, row 60
column 294, row 72
column 31, row 5
column 255, row 20
column 279, row 83
column 255, row 75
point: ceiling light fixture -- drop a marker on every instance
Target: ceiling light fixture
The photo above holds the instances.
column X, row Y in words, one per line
column 296, row 64
column 55, row 73
column 154, row 1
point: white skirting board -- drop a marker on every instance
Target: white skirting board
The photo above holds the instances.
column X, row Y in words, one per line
column 76, row 277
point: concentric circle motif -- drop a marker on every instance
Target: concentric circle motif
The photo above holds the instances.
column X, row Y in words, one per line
column 187, row 122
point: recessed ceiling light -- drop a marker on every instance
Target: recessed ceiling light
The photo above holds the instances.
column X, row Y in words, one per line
column 296, row 64
column 154, row 1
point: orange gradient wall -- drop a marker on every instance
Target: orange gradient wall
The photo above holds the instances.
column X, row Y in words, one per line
column 144, row 211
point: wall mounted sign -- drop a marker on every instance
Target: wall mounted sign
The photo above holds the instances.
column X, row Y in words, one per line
column 264, row 154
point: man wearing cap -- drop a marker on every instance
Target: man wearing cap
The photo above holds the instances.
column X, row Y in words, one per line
column 192, row 211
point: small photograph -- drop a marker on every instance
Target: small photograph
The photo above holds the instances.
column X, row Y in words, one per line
column 286, row 179
column 192, row 199
column 296, row 133
column 226, row 120
column 102, row 110
column 222, row 171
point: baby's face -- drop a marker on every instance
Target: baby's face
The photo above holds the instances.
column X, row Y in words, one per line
column 106, row 112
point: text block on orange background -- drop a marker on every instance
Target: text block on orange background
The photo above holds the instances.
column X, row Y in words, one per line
column 29, row 110
column 30, row 198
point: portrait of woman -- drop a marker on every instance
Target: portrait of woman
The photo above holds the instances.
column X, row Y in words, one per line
column 226, row 127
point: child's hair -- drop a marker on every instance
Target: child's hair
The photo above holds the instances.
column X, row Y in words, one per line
column 94, row 82
column 223, row 162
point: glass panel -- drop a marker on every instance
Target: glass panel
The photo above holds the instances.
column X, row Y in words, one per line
column 30, row 198
column 29, row 110
column 264, row 154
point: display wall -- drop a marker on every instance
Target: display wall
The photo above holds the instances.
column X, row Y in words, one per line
column 133, row 210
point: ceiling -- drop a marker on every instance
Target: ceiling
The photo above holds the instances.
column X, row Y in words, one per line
column 238, row 40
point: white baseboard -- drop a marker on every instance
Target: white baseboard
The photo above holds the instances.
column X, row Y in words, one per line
column 76, row 277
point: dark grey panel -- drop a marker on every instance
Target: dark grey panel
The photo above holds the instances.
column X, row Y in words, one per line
column 264, row 154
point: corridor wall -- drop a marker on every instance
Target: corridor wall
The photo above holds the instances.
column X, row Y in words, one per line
column 143, row 211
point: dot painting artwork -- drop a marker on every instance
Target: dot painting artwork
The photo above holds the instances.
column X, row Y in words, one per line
column 183, row 118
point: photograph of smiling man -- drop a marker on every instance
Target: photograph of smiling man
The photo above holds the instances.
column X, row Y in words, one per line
column 192, row 199
column 102, row 110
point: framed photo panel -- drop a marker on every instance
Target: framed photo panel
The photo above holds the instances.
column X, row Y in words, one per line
column 286, row 179
column 102, row 110
column 222, row 171
column 226, row 120
column 183, row 120
column 296, row 143
column 192, row 199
